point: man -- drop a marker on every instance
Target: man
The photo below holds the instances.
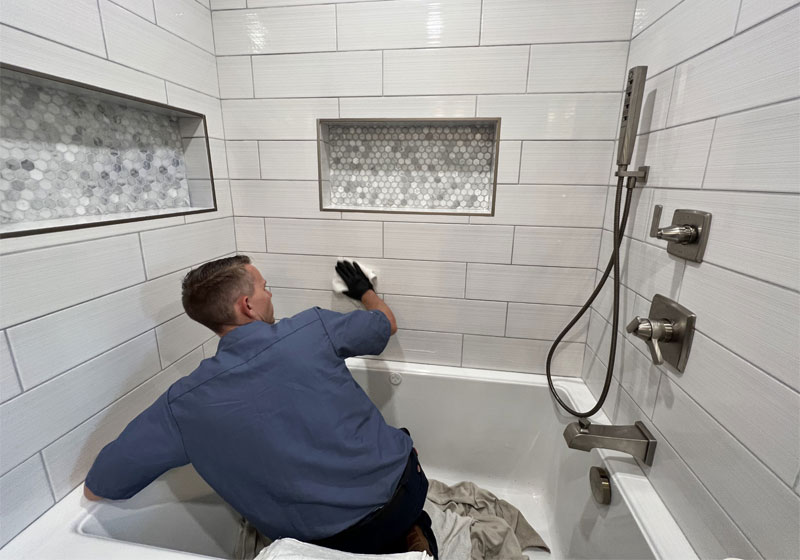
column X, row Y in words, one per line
column 277, row 425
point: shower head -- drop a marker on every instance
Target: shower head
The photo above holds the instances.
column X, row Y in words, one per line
column 634, row 91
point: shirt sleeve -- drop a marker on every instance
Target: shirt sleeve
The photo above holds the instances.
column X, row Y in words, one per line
column 357, row 333
column 149, row 446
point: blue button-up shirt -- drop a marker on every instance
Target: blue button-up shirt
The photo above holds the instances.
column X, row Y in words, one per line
column 276, row 424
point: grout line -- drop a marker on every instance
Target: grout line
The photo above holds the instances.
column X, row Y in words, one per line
column 528, row 69
column 461, row 362
column 383, row 70
column 258, row 154
column 158, row 346
column 738, row 16
column 336, row 25
column 652, row 23
column 102, row 28
column 46, row 474
column 708, row 153
column 383, row 239
column 252, row 81
column 519, row 166
column 480, row 25
column 141, row 254
column 14, row 364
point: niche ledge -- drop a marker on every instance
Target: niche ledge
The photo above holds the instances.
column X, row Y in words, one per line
column 73, row 156
column 408, row 166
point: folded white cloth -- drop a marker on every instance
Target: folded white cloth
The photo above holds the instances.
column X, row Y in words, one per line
column 340, row 287
column 290, row 549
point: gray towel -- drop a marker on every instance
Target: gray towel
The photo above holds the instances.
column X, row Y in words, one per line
column 498, row 531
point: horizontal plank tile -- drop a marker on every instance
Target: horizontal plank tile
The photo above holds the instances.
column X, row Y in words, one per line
column 289, row 160
column 446, row 242
column 325, row 237
column 179, row 336
column 543, row 246
column 409, row 107
column 250, row 235
column 515, row 354
column 275, row 119
column 676, row 156
column 547, row 205
column 188, row 19
column 289, row 302
column 529, row 284
column 559, row 162
column 577, row 67
column 9, row 383
column 279, row 199
column 235, row 76
column 243, row 159
column 424, row 348
column 448, row 315
column 26, row 495
column 170, row 249
column 544, row 322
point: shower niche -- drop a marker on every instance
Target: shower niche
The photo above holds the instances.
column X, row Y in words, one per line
column 410, row 166
column 73, row 155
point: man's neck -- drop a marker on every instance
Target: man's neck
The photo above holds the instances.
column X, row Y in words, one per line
column 228, row 328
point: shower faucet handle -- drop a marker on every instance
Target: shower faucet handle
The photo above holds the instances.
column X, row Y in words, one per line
column 652, row 331
column 687, row 236
column 683, row 234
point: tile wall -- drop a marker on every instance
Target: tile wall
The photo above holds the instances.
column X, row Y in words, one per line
column 721, row 132
column 91, row 326
column 465, row 290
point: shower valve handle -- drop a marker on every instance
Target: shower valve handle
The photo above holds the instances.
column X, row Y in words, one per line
column 683, row 234
column 652, row 331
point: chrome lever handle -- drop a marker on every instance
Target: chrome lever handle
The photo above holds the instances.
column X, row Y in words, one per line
column 683, row 234
column 652, row 332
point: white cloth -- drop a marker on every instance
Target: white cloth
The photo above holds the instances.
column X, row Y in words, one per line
column 290, row 549
column 340, row 287
column 452, row 532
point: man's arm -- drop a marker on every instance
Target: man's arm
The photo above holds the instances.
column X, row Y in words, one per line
column 372, row 302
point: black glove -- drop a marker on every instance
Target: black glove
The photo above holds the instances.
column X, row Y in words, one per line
column 357, row 282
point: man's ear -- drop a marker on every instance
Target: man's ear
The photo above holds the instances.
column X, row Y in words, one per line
column 244, row 306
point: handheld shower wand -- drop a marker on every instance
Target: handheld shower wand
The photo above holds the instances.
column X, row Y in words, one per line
column 634, row 92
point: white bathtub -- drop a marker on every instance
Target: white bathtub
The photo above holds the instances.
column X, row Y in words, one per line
column 500, row 430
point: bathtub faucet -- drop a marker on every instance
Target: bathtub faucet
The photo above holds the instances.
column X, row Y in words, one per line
column 635, row 440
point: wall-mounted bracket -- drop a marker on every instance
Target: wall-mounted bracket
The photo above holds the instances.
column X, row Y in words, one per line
column 687, row 237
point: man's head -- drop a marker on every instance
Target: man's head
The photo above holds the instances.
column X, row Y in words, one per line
column 226, row 293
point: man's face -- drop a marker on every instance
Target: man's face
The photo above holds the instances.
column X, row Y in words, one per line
column 261, row 300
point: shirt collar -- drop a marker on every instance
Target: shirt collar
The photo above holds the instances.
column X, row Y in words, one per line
column 239, row 333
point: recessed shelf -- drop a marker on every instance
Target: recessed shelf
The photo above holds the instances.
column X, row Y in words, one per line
column 72, row 155
column 420, row 166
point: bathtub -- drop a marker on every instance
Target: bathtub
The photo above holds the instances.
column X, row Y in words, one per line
column 498, row 429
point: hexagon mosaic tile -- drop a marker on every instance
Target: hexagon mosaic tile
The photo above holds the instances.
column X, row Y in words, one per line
column 446, row 167
column 64, row 155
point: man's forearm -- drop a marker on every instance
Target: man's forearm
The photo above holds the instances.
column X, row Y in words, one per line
column 372, row 302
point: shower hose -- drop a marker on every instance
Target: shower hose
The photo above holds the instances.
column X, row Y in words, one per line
column 613, row 263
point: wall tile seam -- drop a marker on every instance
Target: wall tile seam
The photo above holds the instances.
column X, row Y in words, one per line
column 727, row 39
column 652, row 23
column 716, row 424
column 174, row 34
column 13, row 366
column 759, row 22
column 738, row 16
column 406, row 95
column 41, row 513
column 47, row 476
column 102, row 28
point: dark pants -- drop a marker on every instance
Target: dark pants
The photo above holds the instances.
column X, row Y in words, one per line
column 384, row 531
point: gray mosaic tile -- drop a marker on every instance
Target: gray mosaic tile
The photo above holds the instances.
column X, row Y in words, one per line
column 410, row 167
column 64, row 155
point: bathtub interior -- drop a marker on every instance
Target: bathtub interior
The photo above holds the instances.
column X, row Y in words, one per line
column 505, row 436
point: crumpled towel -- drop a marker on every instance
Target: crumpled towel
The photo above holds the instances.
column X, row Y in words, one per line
column 340, row 287
column 452, row 532
column 498, row 529
column 290, row 549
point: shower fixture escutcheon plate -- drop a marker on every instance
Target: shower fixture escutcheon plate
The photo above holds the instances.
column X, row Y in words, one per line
column 687, row 237
column 668, row 331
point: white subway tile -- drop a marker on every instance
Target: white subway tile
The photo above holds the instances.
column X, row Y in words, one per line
column 324, row 237
column 143, row 8
column 724, row 385
column 575, row 247
column 279, row 199
column 598, row 340
column 318, row 74
column 757, row 234
column 276, row 119
column 639, row 215
column 403, row 24
column 43, row 414
column 35, row 53
column 424, row 348
column 200, row 103
column 559, row 162
column 449, row 315
column 704, row 522
column 289, row 160
column 594, row 375
column 546, row 205
column 274, row 3
column 408, row 107
column 419, row 278
column 228, row 4
column 508, row 162
column 195, row 151
column 9, row 383
column 755, row 11
column 277, row 30
column 52, row 344
column 411, row 218
column 187, row 19
column 758, row 321
column 151, row 49
column 554, row 116
column 529, row 284
column 68, row 274
column 690, row 28
column 26, row 495
column 243, row 160
column 75, row 23
column 210, row 347
column 544, row 322
column 628, row 309
column 290, row 302
column 655, row 102
column 541, row 21
column 578, row 67
column 235, row 76
column 456, row 70
column 224, row 208
column 170, row 249
column 765, row 509
column 219, row 159
column 757, row 150
column 179, row 336
column 69, row 458
column 648, row 11
column 676, row 156
column 445, row 242
column 757, row 67
column 250, row 235
column 517, row 354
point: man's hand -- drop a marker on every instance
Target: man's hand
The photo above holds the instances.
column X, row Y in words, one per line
column 357, row 282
